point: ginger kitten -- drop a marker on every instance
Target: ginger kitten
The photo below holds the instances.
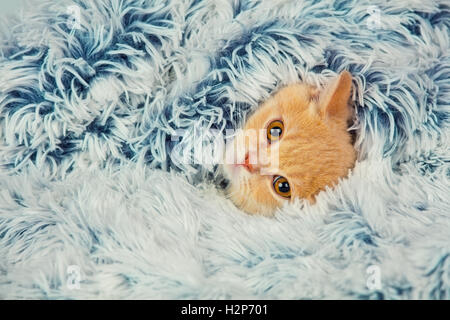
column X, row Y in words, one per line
column 302, row 146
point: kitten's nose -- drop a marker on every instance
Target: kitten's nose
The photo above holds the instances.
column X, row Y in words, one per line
column 249, row 166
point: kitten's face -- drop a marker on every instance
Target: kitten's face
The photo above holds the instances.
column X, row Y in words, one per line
column 301, row 146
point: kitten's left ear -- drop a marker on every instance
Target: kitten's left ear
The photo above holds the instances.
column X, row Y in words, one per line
column 333, row 99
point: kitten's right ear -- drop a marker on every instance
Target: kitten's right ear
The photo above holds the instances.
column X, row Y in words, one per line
column 333, row 99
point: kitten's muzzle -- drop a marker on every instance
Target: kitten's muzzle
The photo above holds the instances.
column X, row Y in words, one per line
column 248, row 165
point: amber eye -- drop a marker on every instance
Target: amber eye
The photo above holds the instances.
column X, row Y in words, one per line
column 275, row 130
column 281, row 186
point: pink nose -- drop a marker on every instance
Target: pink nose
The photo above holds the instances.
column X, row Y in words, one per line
column 247, row 165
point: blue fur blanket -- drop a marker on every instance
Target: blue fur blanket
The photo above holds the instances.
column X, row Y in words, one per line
column 92, row 205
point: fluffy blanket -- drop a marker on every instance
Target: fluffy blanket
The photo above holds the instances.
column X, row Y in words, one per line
column 93, row 205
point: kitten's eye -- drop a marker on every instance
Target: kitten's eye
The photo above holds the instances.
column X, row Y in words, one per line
column 281, row 186
column 275, row 130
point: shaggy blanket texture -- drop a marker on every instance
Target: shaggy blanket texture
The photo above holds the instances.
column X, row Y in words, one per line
column 93, row 204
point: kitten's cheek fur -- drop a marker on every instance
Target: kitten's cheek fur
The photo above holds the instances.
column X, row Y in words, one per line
column 231, row 172
column 241, row 198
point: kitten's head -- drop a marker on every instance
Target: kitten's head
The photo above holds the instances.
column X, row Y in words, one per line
column 294, row 145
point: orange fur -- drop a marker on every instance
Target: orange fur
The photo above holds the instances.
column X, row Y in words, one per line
column 314, row 151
